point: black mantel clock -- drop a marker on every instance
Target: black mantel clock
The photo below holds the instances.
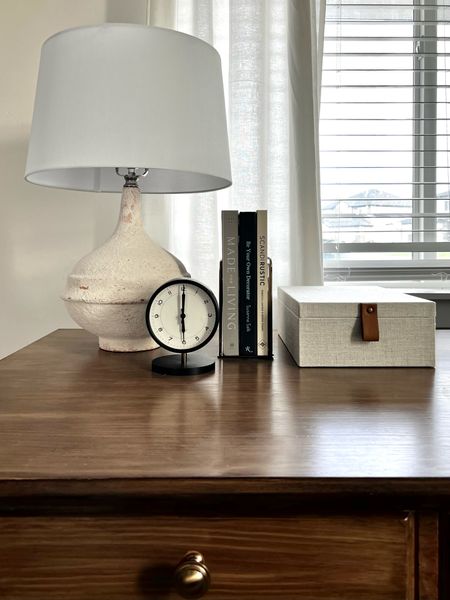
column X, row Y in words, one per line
column 182, row 316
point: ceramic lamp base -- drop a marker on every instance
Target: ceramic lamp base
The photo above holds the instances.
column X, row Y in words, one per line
column 126, row 344
column 108, row 289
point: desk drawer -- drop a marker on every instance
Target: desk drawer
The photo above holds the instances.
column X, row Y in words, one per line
column 306, row 557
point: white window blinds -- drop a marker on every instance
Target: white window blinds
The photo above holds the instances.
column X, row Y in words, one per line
column 385, row 139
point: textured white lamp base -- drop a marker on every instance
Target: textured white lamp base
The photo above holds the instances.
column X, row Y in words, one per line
column 108, row 290
column 126, row 345
column 118, row 326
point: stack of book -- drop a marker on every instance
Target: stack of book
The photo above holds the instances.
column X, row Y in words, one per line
column 245, row 286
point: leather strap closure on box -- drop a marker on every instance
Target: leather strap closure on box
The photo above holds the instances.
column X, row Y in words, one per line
column 369, row 322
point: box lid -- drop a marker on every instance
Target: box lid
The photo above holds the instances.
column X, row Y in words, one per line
column 344, row 301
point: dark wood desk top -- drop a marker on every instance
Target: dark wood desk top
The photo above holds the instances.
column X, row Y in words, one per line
column 77, row 419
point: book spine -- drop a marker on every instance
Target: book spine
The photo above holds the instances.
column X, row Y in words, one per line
column 230, row 283
column 247, row 284
column 262, row 284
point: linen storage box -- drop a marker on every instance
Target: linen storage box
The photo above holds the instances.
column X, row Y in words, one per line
column 324, row 327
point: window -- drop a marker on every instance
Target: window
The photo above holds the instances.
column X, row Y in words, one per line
column 385, row 112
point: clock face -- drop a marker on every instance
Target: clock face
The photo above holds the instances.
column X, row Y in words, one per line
column 182, row 315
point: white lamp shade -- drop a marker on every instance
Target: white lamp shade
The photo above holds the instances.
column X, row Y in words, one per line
column 121, row 95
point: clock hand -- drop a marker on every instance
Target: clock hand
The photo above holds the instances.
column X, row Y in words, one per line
column 182, row 314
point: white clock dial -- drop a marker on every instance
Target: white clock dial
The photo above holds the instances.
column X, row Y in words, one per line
column 182, row 315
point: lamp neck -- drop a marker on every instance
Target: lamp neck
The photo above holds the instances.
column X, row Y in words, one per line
column 130, row 217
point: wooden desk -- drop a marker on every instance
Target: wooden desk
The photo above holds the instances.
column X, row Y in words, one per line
column 294, row 483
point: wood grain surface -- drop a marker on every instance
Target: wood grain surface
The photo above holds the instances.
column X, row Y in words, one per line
column 309, row 557
column 294, row 483
column 428, row 556
column 70, row 412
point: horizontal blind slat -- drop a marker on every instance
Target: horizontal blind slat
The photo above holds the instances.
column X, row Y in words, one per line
column 339, row 167
column 389, row 21
column 388, row 119
column 348, row 102
column 374, row 183
column 387, row 247
column 374, row 70
column 380, row 38
column 377, row 54
column 390, row 135
column 378, row 86
column 386, row 5
column 389, row 4
column 386, row 216
column 435, row 198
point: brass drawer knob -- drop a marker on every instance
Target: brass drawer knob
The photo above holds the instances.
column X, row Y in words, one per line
column 191, row 577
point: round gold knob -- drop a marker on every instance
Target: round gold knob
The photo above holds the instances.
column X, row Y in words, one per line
column 191, row 577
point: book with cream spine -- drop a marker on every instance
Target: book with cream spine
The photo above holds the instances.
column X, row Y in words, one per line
column 263, row 284
column 230, row 283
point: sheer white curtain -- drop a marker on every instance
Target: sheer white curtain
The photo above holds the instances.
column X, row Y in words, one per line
column 270, row 67
column 306, row 20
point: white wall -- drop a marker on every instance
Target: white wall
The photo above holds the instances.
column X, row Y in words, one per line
column 43, row 231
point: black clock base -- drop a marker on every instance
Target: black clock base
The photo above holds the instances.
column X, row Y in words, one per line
column 172, row 365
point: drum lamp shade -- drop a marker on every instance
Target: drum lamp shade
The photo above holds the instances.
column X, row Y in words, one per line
column 122, row 95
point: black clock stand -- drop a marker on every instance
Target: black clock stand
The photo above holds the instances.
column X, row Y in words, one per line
column 183, row 364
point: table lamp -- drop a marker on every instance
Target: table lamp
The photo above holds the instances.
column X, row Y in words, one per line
column 144, row 104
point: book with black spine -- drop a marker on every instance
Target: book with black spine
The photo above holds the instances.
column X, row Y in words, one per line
column 247, row 284
column 263, row 285
column 230, row 283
